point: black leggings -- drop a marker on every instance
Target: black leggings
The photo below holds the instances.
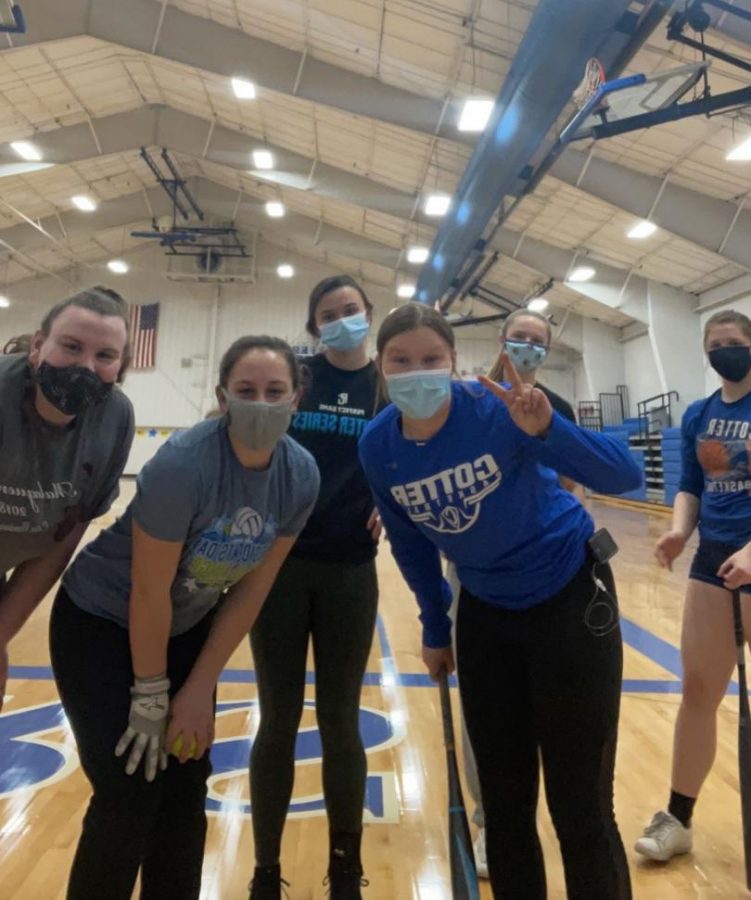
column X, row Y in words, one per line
column 546, row 682
column 159, row 827
column 336, row 606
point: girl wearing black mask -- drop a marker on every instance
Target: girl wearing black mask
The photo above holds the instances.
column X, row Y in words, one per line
column 715, row 495
column 151, row 611
column 65, row 434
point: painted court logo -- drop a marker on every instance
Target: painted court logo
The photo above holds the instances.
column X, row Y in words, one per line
column 449, row 502
column 37, row 752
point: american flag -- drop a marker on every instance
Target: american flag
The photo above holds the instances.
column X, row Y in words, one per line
column 144, row 322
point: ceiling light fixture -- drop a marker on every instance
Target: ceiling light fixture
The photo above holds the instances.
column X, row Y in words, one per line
column 263, row 159
column 539, row 304
column 437, row 204
column 741, row 153
column 405, row 291
column 27, row 150
column 285, row 270
column 417, row 255
column 118, row 266
column 275, row 209
column 84, row 203
column 244, row 90
column 582, row 273
column 643, row 229
column 475, row 114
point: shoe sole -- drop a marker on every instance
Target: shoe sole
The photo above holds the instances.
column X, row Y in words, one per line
column 661, row 857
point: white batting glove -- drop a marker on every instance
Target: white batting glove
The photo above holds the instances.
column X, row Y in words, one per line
column 147, row 726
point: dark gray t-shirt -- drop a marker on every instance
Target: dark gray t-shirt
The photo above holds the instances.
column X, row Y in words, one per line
column 196, row 492
column 53, row 477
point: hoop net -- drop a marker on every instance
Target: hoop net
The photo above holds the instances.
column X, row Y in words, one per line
column 594, row 76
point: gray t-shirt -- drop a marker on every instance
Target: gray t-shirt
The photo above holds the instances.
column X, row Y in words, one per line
column 196, row 492
column 53, row 477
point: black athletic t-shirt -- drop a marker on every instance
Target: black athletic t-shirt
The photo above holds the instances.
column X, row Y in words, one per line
column 336, row 406
column 558, row 403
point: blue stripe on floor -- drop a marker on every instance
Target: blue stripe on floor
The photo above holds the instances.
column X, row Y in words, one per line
column 654, row 648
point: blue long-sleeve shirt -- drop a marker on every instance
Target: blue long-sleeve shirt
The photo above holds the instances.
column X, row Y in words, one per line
column 486, row 495
column 715, row 440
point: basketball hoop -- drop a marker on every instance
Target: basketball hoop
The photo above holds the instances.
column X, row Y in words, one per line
column 594, row 77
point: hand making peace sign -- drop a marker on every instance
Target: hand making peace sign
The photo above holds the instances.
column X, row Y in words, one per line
column 528, row 406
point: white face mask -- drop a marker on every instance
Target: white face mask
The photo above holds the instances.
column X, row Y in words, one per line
column 255, row 424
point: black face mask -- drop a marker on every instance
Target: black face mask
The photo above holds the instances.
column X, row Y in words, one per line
column 731, row 363
column 71, row 389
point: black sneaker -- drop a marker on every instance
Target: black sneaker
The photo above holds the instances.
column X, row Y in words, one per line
column 345, row 869
column 267, row 884
column 345, row 885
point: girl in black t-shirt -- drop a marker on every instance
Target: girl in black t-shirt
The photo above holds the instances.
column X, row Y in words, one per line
column 326, row 592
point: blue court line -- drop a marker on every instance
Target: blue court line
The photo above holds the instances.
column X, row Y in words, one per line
column 651, row 646
column 375, row 679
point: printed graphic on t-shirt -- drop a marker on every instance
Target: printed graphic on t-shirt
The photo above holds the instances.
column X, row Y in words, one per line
column 329, row 419
column 723, row 453
column 229, row 548
column 30, row 509
column 450, row 501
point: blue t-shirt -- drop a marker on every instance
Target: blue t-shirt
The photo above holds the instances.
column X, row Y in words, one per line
column 195, row 491
column 715, row 466
column 487, row 496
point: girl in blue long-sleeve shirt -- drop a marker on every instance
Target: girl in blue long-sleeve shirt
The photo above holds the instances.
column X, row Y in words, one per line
column 470, row 471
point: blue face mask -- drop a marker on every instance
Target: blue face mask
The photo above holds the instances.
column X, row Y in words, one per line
column 346, row 333
column 525, row 356
column 421, row 393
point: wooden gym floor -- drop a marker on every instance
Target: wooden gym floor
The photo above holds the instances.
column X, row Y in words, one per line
column 43, row 793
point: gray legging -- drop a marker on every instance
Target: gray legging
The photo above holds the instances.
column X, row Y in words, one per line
column 470, row 766
column 335, row 605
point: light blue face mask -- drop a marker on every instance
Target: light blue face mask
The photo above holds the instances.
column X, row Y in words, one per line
column 526, row 356
column 421, row 393
column 346, row 333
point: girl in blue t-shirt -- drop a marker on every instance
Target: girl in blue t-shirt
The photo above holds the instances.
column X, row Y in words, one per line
column 470, row 471
column 150, row 612
column 715, row 494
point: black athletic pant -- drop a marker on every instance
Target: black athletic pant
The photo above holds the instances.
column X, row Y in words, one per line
column 129, row 824
column 335, row 605
column 544, row 683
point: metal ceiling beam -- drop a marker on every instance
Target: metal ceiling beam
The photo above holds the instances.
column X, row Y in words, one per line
column 716, row 225
column 182, row 132
column 612, row 287
column 219, row 202
column 713, row 224
column 547, row 68
column 229, row 52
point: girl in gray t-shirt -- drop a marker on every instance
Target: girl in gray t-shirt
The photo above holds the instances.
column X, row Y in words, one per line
column 65, row 433
column 150, row 612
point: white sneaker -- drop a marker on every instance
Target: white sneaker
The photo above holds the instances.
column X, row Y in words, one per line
column 481, row 857
column 664, row 838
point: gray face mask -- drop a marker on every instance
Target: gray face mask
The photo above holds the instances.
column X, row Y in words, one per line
column 255, row 424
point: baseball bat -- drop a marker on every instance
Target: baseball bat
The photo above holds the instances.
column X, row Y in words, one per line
column 464, row 884
column 744, row 736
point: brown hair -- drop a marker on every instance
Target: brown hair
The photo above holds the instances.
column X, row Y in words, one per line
column 411, row 316
column 19, row 344
column 244, row 345
column 496, row 370
column 101, row 300
column 728, row 317
column 332, row 283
